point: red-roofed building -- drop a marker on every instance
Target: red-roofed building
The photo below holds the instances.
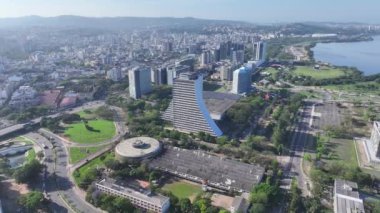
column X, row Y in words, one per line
column 68, row 101
column 51, row 98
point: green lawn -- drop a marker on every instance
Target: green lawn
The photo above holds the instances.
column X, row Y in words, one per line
column 87, row 114
column 79, row 153
column 97, row 162
column 271, row 70
column 322, row 73
column 102, row 130
column 31, row 155
column 342, row 150
column 182, row 189
column 207, row 86
column 23, row 140
column 371, row 87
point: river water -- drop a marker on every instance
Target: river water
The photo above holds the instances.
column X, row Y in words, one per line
column 363, row 55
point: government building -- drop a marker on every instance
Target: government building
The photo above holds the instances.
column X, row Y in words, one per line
column 187, row 111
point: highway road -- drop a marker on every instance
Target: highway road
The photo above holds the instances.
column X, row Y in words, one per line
column 62, row 185
column 48, row 184
column 17, row 127
column 300, row 137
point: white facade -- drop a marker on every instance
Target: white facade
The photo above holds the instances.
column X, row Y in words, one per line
column 375, row 137
column 241, row 82
column 156, row 203
column 259, row 51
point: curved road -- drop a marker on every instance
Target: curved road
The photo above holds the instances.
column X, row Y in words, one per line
column 57, row 182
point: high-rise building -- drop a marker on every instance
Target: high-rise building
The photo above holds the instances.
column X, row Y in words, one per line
column 174, row 71
column 225, row 73
column 114, row 74
column 259, row 51
column 139, row 82
column 159, row 76
column 223, row 51
column 187, row 110
column 375, row 138
column 168, row 46
column 238, row 57
column 242, row 81
column 205, row 58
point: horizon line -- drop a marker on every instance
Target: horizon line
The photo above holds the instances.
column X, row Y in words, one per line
column 187, row 17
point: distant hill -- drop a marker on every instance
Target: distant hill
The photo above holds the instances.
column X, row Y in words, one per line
column 108, row 23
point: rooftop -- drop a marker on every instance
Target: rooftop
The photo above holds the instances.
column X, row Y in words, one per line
column 137, row 147
column 140, row 193
column 347, row 197
column 214, row 169
column 218, row 103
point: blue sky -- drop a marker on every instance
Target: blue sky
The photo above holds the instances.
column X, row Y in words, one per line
column 264, row 11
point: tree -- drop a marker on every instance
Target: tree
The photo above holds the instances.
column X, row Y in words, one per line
column 40, row 155
column 257, row 208
column 295, row 198
column 122, row 205
column 185, row 205
column 4, row 166
column 222, row 140
column 31, row 201
column 29, row 172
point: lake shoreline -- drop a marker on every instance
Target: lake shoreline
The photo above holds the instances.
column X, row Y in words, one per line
column 343, row 54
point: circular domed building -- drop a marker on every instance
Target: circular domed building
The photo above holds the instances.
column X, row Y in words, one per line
column 138, row 148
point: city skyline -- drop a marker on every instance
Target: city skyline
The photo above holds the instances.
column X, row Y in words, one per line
column 274, row 11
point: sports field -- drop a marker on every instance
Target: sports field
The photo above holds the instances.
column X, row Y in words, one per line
column 101, row 130
column 322, row 73
column 183, row 189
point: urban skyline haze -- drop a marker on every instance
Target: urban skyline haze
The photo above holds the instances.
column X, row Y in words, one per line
column 272, row 11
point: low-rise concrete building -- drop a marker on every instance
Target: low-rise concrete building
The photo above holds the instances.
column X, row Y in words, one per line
column 140, row 198
column 346, row 197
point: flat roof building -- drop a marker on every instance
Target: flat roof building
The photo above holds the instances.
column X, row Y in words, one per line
column 187, row 110
column 346, row 197
column 137, row 148
column 140, row 198
column 202, row 167
column 218, row 103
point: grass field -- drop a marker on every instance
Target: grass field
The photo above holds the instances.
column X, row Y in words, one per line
column 87, row 114
column 79, row 153
column 102, row 130
column 342, row 150
column 271, row 70
column 23, row 139
column 97, row 162
column 323, row 73
column 362, row 87
column 30, row 156
column 182, row 189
